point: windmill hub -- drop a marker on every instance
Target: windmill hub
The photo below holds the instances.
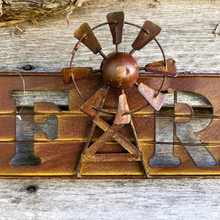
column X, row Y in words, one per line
column 120, row 70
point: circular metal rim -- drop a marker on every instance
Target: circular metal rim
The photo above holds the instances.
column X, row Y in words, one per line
column 128, row 23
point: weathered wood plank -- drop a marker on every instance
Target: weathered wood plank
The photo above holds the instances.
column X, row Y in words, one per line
column 27, row 98
column 187, row 36
column 110, row 199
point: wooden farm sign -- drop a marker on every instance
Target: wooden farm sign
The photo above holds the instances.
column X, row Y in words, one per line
column 65, row 155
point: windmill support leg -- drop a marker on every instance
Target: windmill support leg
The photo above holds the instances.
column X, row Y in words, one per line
column 79, row 165
column 137, row 144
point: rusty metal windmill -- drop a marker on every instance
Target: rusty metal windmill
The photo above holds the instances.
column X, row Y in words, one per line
column 118, row 70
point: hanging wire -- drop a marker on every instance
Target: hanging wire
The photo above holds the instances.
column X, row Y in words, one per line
column 23, row 83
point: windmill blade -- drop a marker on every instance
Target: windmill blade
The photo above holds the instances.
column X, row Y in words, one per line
column 123, row 108
column 154, row 99
column 90, row 39
column 159, row 67
column 78, row 73
column 144, row 37
column 117, row 28
column 95, row 101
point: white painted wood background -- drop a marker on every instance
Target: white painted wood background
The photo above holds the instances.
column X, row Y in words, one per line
column 187, row 36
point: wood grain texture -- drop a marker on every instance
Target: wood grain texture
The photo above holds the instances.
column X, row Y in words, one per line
column 110, row 199
column 187, row 37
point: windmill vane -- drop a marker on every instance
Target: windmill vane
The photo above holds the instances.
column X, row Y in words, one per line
column 110, row 128
column 118, row 70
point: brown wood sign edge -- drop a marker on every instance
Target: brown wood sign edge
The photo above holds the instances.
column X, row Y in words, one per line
column 111, row 176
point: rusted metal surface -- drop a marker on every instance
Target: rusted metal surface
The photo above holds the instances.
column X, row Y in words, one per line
column 94, row 101
column 91, row 133
column 120, row 70
column 110, row 157
column 85, row 34
column 121, row 112
column 123, row 108
column 78, row 73
column 118, row 137
column 144, row 38
column 160, row 67
column 117, row 28
column 60, row 157
column 184, row 111
column 154, row 99
column 109, row 133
